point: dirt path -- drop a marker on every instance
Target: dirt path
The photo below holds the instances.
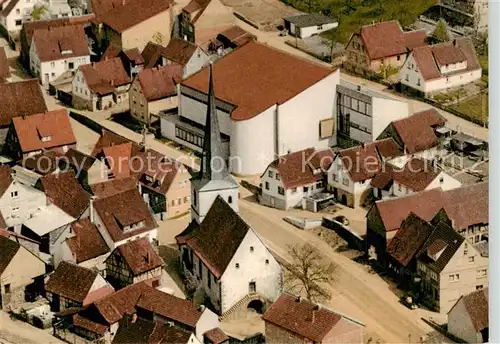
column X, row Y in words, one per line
column 355, row 292
column 18, row 332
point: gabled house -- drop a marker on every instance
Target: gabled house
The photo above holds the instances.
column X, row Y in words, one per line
column 73, row 286
column 290, row 178
column 13, row 97
column 108, row 139
column 468, row 319
column 190, row 56
column 118, row 160
column 133, row 262
column 88, row 169
column 165, row 184
column 4, row 66
column 414, row 176
column 291, row 319
column 250, row 94
column 131, row 58
column 58, row 51
column 449, row 267
column 132, row 24
column 417, row 135
column 18, row 201
column 122, row 217
column 31, row 135
column 232, row 38
column 305, row 25
column 466, row 208
column 83, row 245
column 113, row 186
column 100, row 85
column 215, row 336
column 30, row 244
column 378, row 46
column 154, row 90
column 21, row 274
column 440, row 67
column 228, row 259
column 352, row 170
column 202, row 20
column 154, row 55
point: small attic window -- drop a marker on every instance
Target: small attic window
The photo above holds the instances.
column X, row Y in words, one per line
column 46, row 138
column 251, row 248
column 237, row 265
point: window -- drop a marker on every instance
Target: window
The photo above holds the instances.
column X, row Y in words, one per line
column 451, row 278
column 399, row 58
column 441, row 180
column 479, row 287
column 306, row 189
column 71, row 65
column 52, row 74
column 14, row 209
column 447, row 80
column 237, row 265
column 319, row 184
column 465, row 249
column 281, row 191
column 19, row 22
column 400, row 188
column 407, row 77
column 320, row 27
column 267, row 261
column 7, row 288
column 270, row 174
column 418, row 82
column 52, row 64
column 471, row 259
column 209, row 280
column 230, row 199
column 194, row 199
column 252, row 287
column 251, row 248
column 18, row 11
column 345, row 181
column 199, row 266
column 14, row 194
column 482, row 273
column 267, row 185
column 173, row 202
column 277, row 176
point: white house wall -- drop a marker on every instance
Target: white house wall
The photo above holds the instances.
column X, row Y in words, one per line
column 448, row 182
column 16, row 210
column 24, row 7
column 207, row 198
column 196, row 111
column 314, row 30
column 252, row 268
column 207, row 321
column 197, row 61
column 385, row 111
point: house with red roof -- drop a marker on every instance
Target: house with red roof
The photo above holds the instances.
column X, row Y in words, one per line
column 468, row 319
column 352, row 170
column 290, row 178
column 380, row 45
column 4, row 66
column 100, row 85
column 260, row 92
column 440, row 67
column 32, row 135
column 291, row 319
column 57, row 52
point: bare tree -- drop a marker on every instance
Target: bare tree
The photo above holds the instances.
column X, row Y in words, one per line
column 308, row 272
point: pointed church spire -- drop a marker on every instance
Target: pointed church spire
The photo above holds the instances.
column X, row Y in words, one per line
column 213, row 164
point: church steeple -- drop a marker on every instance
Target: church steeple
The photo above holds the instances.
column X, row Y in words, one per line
column 214, row 178
column 213, row 164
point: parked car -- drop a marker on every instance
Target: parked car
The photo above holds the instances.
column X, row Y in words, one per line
column 342, row 219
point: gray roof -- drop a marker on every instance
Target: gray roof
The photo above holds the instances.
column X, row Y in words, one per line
column 362, row 89
column 483, row 248
column 312, row 19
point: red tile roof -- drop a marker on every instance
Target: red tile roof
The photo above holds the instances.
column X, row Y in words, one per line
column 54, row 125
column 417, row 131
column 124, row 209
column 256, row 76
column 149, row 332
column 218, row 237
column 160, row 82
column 130, row 13
column 430, row 58
column 5, row 178
column 152, row 53
column 387, row 39
column 13, row 97
column 113, row 187
column 134, row 55
column 365, row 162
column 416, row 175
column 15, row 236
column 64, row 191
column 72, row 281
column 8, row 250
column 108, row 139
column 118, row 159
column 216, row 336
column 104, row 76
column 304, row 318
column 62, row 42
column 412, row 234
column 236, row 35
column 179, row 51
column 170, row 307
column 465, row 206
column 140, row 256
column 43, row 163
column 87, row 242
column 4, row 65
column 476, row 305
column 297, row 169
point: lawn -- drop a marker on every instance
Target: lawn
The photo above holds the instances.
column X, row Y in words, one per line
column 352, row 14
column 472, row 107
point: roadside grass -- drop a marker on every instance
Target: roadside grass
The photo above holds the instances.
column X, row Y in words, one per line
column 474, row 107
column 352, row 14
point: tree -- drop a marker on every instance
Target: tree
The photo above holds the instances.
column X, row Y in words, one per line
column 38, row 12
column 441, row 32
column 308, row 272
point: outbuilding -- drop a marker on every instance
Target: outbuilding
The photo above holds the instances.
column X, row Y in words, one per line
column 309, row 24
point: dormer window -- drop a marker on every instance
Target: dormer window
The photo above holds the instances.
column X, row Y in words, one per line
column 149, row 179
column 46, row 138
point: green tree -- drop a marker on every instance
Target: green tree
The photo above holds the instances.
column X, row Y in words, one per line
column 37, row 12
column 308, row 273
column 441, row 32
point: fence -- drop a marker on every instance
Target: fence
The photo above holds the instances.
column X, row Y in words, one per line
column 345, row 233
column 86, row 122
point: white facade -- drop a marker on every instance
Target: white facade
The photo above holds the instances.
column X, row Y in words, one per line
column 79, row 87
column 50, row 70
column 291, row 126
column 202, row 200
column 411, row 76
column 308, row 31
column 13, row 21
column 197, row 61
column 19, row 202
column 278, row 196
column 460, row 324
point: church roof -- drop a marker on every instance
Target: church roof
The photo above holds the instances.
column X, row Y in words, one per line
column 218, row 237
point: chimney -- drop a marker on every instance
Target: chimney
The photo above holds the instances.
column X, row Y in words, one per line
column 313, row 315
column 91, row 210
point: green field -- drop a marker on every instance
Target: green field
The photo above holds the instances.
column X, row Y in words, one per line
column 352, row 14
column 476, row 107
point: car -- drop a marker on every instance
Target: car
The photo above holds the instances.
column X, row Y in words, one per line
column 342, row 219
